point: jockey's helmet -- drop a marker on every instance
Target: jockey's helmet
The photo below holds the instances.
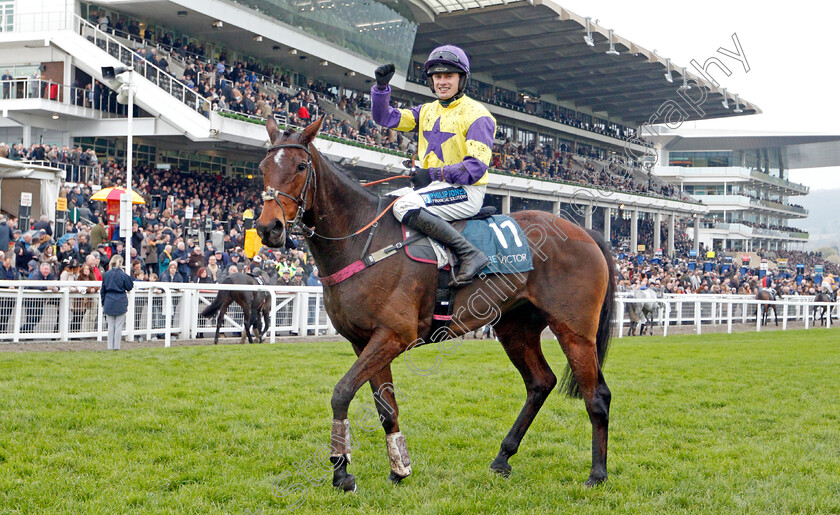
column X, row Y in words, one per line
column 448, row 59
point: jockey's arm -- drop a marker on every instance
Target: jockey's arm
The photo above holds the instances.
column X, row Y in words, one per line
column 479, row 139
column 404, row 120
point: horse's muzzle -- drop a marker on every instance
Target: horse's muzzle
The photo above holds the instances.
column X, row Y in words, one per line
column 272, row 234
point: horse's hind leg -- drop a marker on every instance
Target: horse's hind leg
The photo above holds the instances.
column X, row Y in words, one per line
column 220, row 320
column 581, row 353
column 519, row 331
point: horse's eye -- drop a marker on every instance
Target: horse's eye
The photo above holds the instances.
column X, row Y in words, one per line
column 302, row 167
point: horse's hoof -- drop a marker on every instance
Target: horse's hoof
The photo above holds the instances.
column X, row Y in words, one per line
column 394, row 478
column 595, row 480
column 501, row 468
column 347, row 483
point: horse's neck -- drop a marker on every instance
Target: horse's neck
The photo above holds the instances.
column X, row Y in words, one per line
column 341, row 208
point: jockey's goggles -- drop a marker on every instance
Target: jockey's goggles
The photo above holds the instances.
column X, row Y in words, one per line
column 445, row 55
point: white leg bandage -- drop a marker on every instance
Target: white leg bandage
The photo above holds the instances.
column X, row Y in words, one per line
column 398, row 454
column 340, row 439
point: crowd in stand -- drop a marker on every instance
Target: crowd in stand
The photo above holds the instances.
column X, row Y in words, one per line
column 677, row 278
column 66, row 158
column 544, row 162
column 165, row 245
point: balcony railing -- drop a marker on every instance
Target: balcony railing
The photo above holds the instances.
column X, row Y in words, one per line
column 103, row 104
column 761, row 176
column 129, row 57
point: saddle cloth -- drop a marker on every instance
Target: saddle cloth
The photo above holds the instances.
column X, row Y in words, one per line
column 498, row 236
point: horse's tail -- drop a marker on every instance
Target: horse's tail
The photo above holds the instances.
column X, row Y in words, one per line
column 602, row 337
column 214, row 306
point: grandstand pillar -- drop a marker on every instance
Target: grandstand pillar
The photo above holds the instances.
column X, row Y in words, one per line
column 587, row 220
column 607, row 221
column 26, row 138
column 634, row 231
column 657, row 232
column 671, row 229
column 506, row 204
column 696, row 233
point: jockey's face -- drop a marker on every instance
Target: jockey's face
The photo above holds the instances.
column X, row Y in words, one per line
column 446, row 84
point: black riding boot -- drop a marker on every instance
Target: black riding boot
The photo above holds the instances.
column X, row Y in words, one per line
column 472, row 260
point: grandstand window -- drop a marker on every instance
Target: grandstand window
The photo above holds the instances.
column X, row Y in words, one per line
column 524, row 137
column 371, row 29
column 103, row 147
column 701, row 159
column 7, row 15
column 245, row 169
column 504, row 131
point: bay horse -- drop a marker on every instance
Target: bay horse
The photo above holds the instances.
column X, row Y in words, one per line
column 822, row 297
column 255, row 305
column 771, row 295
column 388, row 311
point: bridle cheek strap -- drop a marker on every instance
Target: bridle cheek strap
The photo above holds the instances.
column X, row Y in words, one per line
column 300, row 201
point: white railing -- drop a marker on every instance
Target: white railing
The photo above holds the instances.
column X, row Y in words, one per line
column 154, row 74
column 61, row 311
column 719, row 310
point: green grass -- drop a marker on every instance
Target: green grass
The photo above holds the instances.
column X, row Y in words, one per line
column 713, row 424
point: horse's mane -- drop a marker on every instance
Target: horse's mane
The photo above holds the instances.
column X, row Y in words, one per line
column 348, row 178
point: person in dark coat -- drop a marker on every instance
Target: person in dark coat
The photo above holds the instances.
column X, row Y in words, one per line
column 171, row 274
column 9, row 272
column 114, row 294
column 5, row 234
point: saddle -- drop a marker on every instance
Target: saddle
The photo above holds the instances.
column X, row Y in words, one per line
column 499, row 237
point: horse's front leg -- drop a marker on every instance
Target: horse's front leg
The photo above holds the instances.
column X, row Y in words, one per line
column 382, row 348
column 385, row 399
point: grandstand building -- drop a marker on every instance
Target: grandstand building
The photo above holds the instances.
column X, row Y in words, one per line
column 568, row 95
column 743, row 179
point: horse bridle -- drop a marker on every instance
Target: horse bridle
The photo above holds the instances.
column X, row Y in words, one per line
column 300, row 201
column 311, row 179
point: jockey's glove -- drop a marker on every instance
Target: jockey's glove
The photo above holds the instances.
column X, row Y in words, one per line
column 420, row 178
column 383, row 75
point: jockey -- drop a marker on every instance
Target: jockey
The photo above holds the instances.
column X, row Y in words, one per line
column 455, row 141
column 827, row 285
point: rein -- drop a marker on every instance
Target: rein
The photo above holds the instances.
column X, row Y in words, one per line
column 311, row 179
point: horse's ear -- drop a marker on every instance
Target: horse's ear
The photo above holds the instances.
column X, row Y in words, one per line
column 311, row 131
column 272, row 128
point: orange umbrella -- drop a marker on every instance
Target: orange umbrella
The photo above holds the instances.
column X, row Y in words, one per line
column 114, row 194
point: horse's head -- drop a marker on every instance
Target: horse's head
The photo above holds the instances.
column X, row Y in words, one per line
column 289, row 180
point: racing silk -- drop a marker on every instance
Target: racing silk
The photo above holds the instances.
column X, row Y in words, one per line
column 454, row 142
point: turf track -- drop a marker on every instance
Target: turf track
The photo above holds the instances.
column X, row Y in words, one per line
column 713, row 424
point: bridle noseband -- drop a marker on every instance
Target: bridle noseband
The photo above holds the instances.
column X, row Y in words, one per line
column 302, row 205
column 311, row 181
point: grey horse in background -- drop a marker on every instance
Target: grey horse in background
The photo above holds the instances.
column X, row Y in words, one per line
column 644, row 314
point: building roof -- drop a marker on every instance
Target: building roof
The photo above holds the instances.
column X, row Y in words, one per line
column 540, row 47
column 802, row 150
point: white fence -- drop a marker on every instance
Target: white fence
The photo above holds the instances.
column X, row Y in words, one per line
column 56, row 310
column 717, row 310
column 62, row 311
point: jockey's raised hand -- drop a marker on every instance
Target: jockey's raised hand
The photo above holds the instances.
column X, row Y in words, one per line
column 384, row 74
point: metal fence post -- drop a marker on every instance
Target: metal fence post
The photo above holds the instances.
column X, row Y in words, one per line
column 697, row 320
column 729, row 316
column 620, row 317
column 64, row 316
column 18, row 314
column 167, row 313
column 784, row 316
